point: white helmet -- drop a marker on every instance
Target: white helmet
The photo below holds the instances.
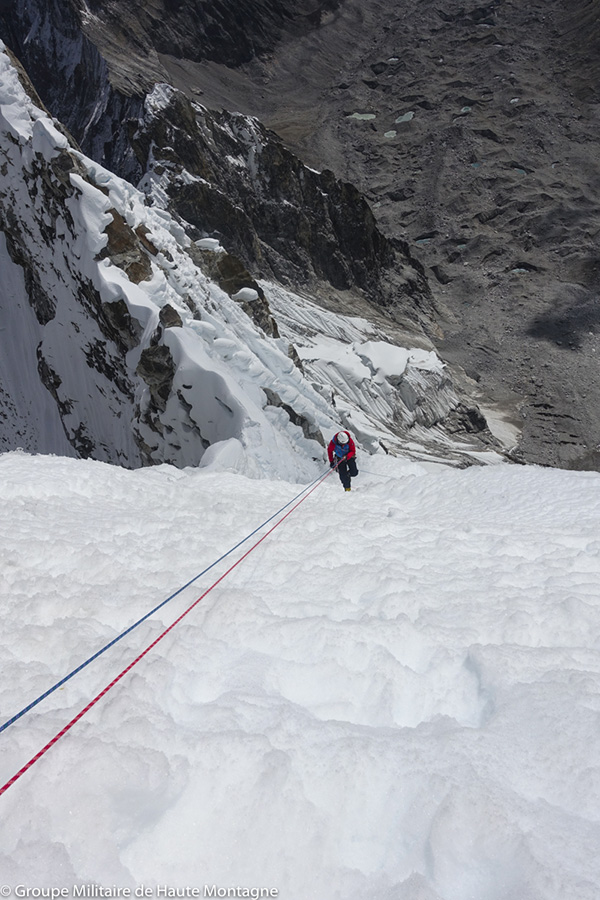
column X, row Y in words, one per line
column 342, row 437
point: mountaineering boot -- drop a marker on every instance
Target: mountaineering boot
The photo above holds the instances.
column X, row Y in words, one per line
column 347, row 489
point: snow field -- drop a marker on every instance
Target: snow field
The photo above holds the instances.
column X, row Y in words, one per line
column 395, row 696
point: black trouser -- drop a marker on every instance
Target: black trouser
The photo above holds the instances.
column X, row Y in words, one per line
column 346, row 470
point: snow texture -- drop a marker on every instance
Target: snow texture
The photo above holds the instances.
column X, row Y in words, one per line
column 395, row 696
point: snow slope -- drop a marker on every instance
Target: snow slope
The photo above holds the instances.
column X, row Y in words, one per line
column 396, row 696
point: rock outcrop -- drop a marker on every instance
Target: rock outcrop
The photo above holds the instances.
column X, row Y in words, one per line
column 227, row 176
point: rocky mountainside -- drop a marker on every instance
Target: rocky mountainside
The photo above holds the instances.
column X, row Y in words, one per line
column 473, row 132
column 283, row 218
column 131, row 335
column 470, row 132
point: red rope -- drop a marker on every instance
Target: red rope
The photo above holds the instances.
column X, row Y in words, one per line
column 122, row 674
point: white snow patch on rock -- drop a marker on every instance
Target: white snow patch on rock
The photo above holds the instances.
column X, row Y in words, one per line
column 47, row 139
column 246, row 295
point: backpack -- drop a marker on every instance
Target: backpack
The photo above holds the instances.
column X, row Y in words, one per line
column 338, row 450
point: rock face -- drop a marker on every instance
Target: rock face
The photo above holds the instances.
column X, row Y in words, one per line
column 72, row 77
column 52, row 312
column 233, row 277
column 93, row 62
column 204, row 29
column 226, row 175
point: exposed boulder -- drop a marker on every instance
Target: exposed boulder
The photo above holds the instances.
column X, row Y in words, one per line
column 233, row 277
column 310, row 430
column 126, row 250
column 119, row 325
column 169, row 317
column 157, row 370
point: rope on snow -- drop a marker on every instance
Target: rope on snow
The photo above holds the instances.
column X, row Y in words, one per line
column 120, row 636
column 312, row 486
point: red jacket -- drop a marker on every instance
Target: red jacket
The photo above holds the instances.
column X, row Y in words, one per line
column 333, row 444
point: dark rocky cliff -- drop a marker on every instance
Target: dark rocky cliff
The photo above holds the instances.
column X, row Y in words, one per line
column 221, row 30
column 226, row 174
column 73, row 79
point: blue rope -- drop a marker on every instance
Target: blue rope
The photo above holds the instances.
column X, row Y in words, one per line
column 58, row 684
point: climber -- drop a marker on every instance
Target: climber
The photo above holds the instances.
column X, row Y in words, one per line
column 342, row 452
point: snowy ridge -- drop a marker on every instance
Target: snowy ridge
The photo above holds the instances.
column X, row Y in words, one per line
column 409, row 709
column 221, row 359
